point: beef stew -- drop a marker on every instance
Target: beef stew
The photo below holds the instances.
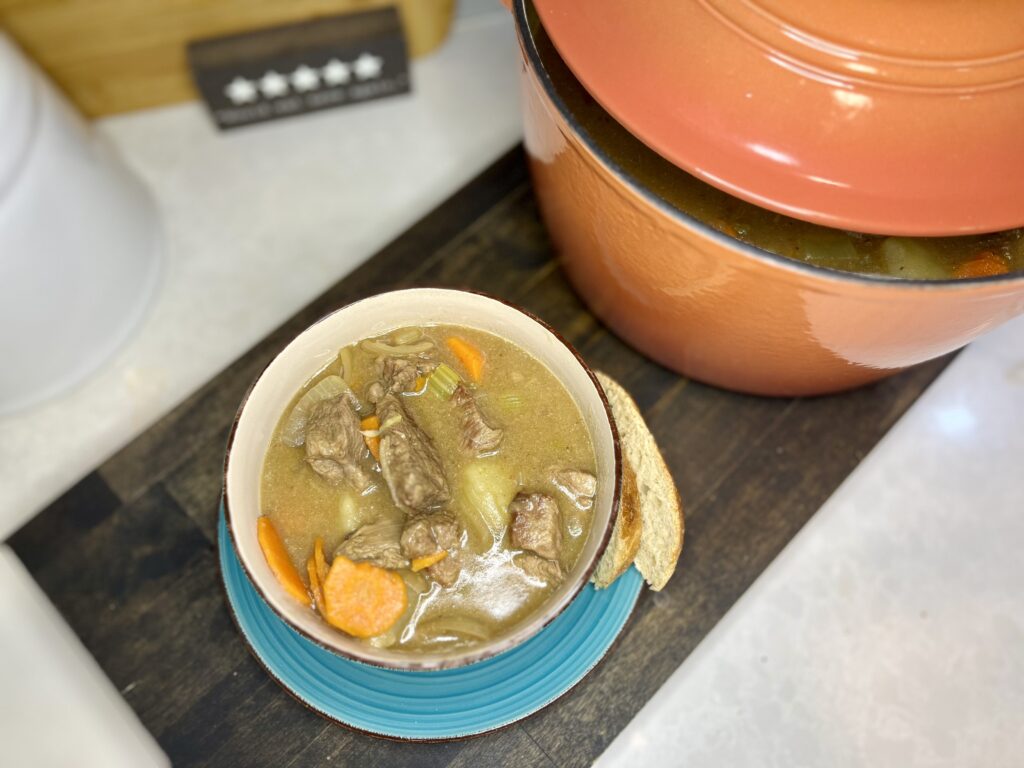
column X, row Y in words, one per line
column 444, row 456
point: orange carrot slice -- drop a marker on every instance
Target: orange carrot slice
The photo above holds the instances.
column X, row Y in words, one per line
column 319, row 559
column 984, row 264
column 419, row 563
column 363, row 599
column 314, row 585
column 373, row 443
column 277, row 558
column 472, row 359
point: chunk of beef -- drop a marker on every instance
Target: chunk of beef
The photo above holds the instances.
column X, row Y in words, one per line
column 536, row 524
column 334, row 446
column 377, row 543
column 548, row 572
column 374, row 392
column 409, row 461
column 578, row 485
column 428, row 534
column 478, row 437
column 399, row 374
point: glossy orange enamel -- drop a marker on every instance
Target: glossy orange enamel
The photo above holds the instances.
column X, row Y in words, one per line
column 724, row 313
column 876, row 116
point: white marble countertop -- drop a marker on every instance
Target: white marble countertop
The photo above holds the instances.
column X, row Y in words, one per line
column 890, row 632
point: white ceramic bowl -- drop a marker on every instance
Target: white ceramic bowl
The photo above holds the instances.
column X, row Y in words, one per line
column 318, row 345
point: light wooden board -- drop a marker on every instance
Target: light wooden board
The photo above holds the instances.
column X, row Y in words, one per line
column 112, row 56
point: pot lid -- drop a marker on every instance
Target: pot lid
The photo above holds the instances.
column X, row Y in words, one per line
column 874, row 116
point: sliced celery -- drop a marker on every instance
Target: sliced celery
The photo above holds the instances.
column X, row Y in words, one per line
column 443, row 381
column 510, row 402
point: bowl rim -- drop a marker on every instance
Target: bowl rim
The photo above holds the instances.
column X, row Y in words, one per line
column 529, row 628
column 528, row 47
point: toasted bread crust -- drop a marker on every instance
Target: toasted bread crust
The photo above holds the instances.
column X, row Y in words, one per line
column 661, row 510
column 625, row 541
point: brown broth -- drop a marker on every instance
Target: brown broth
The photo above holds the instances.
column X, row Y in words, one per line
column 543, row 428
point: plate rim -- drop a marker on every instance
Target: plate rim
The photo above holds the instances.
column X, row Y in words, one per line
column 233, row 612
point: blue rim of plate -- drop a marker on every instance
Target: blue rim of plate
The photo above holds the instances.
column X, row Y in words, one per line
column 436, row 705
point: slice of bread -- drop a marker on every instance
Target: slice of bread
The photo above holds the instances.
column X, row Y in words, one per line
column 661, row 511
column 625, row 541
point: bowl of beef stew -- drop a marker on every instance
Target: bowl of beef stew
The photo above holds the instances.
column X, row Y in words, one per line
column 422, row 479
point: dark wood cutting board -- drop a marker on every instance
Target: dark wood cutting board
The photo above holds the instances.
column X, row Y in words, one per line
column 128, row 554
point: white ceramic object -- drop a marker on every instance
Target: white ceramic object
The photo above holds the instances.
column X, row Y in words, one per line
column 51, row 684
column 79, row 241
column 317, row 346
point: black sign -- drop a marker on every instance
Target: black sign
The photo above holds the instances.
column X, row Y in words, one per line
column 289, row 70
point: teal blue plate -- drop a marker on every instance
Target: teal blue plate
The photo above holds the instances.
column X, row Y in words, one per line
column 430, row 706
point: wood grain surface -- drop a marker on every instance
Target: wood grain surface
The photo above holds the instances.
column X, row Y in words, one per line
column 116, row 55
column 128, row 554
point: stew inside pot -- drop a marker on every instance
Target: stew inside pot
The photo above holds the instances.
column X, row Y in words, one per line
column 916, row 258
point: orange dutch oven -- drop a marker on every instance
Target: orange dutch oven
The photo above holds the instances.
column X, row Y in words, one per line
column 876, row 117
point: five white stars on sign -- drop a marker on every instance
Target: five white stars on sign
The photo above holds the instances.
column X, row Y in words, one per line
column 273, row 84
